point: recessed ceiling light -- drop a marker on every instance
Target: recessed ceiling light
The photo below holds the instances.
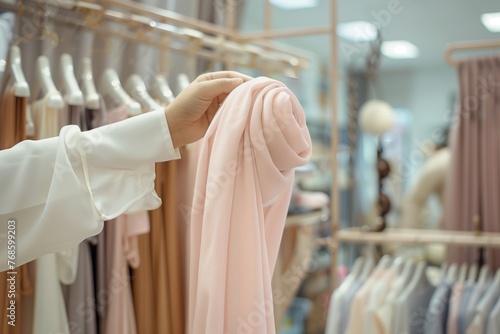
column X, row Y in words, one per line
column 491, row 21
column 357, row 31
column 294, row 4
column 399, row 50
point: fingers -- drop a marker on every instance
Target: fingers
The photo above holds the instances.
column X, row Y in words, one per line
column 213, row 88
column 223, row 74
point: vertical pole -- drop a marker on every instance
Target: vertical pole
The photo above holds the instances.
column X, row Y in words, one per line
column 230, row 25
column 334, row 210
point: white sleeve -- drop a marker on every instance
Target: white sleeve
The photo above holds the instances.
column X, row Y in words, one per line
column 60, row 190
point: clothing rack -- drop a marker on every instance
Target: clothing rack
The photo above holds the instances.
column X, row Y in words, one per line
column 167, row 30
column 467, row 46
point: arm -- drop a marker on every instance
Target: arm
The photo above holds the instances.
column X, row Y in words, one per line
column 60, row 190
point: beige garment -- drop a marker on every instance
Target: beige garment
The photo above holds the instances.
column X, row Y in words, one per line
column 158, row 285
column 12, row 131
column 357, row 321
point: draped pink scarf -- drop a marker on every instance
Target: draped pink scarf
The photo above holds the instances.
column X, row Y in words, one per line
column 242, row 191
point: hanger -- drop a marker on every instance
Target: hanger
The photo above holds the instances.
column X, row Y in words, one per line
column 92, row 100
column 483, row 275
column 54, row 99
column 161, row 90
column 22, row 88
column 472, row 273
column 74, row 95
column 419, row 277
column 462, row 274
column 385, row 262
column 496, row 280
column 397, row 265
column 357, row 267
column 112, row 87
column 451, row 275
column 406, row 273
column 137, row 89
column 182, row 81
column 367, row 268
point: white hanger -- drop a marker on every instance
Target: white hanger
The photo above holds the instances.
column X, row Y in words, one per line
column 419, row 278
column 182, row 81
column 496, row 280
column 74, row 95
column 462, row 274
column 451, row 275
column 136, row 87
column 406, row 274
column 385, row 262
column 92, row 100
column 483, row 275
column 472, row 273
column 54, row 99
column 111, row 86
column 22, row 89
column 357, row 267
column 367, row 268
column 161, row 90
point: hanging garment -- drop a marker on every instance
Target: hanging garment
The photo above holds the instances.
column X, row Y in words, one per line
column 464, row 304
column 484, row 308
column 122, row 252
column 243, row 186
column 49, row 308
column 437, row 313
column 455, row 301
column 95, row 175
column 493, row 323
column 80, row 297
column 357, row 321
column 12, row 131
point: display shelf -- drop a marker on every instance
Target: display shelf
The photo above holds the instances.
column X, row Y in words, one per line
column 313, row 217
column 414, row 236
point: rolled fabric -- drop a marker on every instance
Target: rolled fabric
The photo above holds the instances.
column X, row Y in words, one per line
column 242, row 191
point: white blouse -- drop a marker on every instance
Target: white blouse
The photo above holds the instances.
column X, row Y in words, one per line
column 56, row 192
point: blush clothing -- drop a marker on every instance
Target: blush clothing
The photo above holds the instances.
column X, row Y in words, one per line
column 242, row 192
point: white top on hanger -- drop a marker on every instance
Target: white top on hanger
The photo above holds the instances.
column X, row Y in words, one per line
column 92, row 100
column 136, row 87
column 22, row 88
column 55, row 99
column 451, row 275
column 462, row 275
column 111, row 86
column 367, row 268
column 484, row 274
column 471, row 278
column 161, row 90
column 74, row 95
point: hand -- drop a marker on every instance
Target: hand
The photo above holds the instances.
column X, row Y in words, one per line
column 190, row 114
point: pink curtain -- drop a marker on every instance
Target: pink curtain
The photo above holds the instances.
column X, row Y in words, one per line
column 473, row 187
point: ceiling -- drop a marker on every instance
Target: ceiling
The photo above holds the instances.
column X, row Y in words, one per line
column 429, row 24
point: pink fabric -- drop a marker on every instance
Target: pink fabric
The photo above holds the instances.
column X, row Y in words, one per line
column 455, row 301
column 242, row 191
